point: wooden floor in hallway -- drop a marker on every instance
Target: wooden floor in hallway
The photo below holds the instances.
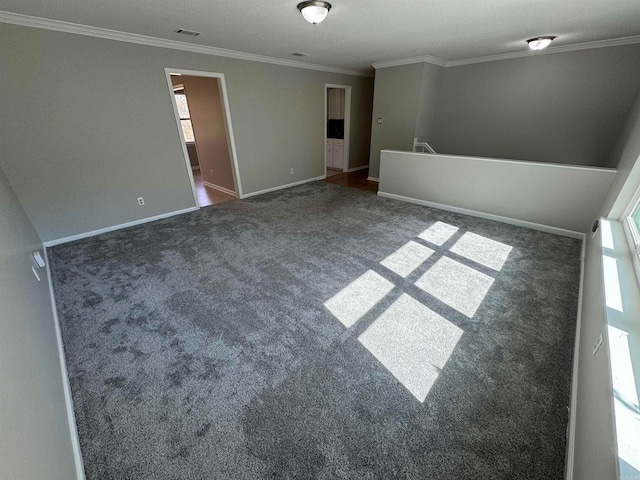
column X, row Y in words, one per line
column 207, row 195
column 357, row 179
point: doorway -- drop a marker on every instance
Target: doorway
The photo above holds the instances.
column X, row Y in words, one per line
column 201, row 110
column 337, row 113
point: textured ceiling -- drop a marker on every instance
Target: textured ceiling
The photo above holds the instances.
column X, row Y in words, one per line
column 356, row 33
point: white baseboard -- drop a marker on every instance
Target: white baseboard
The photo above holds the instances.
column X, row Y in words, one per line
column 355, row 169
column 488, row 216
column 195, row 167
column 373, row 179
column 571, row 437
column 71, row 416
column 93, row 233
column 281, row 187
column 220, row 189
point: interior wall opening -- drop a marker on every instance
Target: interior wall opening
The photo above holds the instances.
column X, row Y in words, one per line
column 337, row 128
column 201, row 111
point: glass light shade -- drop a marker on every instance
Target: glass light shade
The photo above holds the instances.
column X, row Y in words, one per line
column 539, row 43
column 314, row 14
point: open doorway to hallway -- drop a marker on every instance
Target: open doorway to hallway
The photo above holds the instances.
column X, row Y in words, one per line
column 337, row 128
column 202, row 116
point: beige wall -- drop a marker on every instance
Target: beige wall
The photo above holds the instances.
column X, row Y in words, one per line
column 86, row 153
column 562, row 107
column 35, row 442
column 207, row 116
column 193, row 155
column 396, row 98
column 405, row 97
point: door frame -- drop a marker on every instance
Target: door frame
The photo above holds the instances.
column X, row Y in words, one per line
column 347, row 124
column 227, row 113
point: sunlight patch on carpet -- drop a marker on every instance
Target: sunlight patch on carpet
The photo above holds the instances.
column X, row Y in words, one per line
column 482, row 250
column 457, row 285
column 413, row 343
column 438, row 233
column 352, row 302
column 407, row 258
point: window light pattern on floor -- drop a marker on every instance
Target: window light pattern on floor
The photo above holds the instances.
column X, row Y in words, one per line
column 411, row 340
column 360, row 296
column 462, row 288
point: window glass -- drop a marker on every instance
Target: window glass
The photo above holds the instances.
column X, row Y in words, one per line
column 185, row 117
column 183, row 107
column 187, row 130
column 635, row 217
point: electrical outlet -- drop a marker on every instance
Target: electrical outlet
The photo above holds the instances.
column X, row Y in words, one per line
column 140, row 201
column 379, row 121
column 292, row 171
column 211, row 172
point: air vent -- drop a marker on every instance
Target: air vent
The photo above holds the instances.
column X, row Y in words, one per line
column 191, row 33
column 299, row 54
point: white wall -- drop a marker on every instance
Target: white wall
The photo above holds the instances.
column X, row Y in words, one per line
column 88, row 127
column 558, row 196
column 594, row 455
column 35, row 441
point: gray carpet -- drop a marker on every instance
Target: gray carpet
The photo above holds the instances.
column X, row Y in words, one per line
column 297, row 335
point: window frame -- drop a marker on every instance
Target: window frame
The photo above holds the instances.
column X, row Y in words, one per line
column 632, row 232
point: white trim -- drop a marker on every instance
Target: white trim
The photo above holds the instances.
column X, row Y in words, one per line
column 68, row 398
column 93, row 233
column 409, row 60
column 503, row 160
column 281, row 187
column 195, row 167
column 219, row 188
column 571, row 437
column 373, row 179
column 488, row 216
column 183, row 140
column 355, row 169
column 613, row 42
column 235, row 170
column 86, row 30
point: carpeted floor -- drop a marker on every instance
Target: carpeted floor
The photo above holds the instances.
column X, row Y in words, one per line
column 320, row 332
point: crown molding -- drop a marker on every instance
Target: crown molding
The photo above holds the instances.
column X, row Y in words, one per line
column 613, row 42
column 408, row 61
column 89, row 31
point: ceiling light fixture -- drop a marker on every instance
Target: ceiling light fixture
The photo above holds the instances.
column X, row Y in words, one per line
column 539, row 43
column 314, row 11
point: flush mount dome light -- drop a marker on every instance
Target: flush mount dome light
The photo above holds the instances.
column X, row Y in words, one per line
column 313, row 11
column 539, row 43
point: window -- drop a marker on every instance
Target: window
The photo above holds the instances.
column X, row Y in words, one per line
column 631, row 224
column 185, row 117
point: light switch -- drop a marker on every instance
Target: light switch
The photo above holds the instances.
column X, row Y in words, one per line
column 379, row 120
